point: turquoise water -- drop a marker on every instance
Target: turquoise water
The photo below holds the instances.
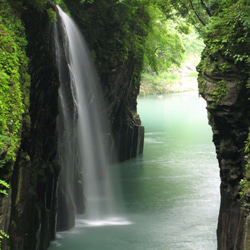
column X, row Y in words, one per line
column 168, row 198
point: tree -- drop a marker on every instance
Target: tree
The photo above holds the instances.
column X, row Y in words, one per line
column 163, row 46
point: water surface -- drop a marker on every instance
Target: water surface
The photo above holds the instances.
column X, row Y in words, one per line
column 170, row 194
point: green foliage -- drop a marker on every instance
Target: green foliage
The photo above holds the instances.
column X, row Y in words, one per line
column 244, row 188
column 193, row 74
column 245, row 183
column 132, row 28
column 3, row 146
column 228, row 32
column 163, row 47
column 39, row 4
column 14, row 82
column 193, row 45
column 184, row 28
column 170, row 79
column 195, row 12
column 247, row 144
column 3, row 186
column 133, row 18
column 2, row 236
column 157, row 79
column 227, row 38
column 88, row 1
column 13, row 73
column 52, row 15
column 63, row 6
column 219, row 92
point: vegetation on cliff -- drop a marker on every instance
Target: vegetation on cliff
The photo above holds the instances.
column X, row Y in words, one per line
column 14, row 92
column 14, row 86
column 124, row 36
column 227, row 35
column 131, row 26
column 223, row 25
column 224, row 74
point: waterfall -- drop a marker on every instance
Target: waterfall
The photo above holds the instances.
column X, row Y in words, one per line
column 84, row 182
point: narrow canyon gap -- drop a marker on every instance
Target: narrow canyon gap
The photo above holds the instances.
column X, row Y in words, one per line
column 29, row 211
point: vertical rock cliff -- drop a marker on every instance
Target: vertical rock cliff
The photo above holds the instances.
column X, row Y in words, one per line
column 229, row 117
column 34, row 179
column 224, row 83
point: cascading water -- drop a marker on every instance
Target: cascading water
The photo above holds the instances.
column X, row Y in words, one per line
column 81, row 151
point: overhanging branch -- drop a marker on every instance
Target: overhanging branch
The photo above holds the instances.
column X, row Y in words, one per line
column 192, row 6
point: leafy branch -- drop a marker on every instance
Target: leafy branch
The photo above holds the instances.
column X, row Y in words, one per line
column 197, row 15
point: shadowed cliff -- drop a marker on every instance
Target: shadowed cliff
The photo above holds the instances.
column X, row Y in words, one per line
column 224, row 83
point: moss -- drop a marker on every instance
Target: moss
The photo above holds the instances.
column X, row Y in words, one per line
column 245, row 183
column 14, row 89
column 227, row 38
column 202, row 66
column 15, row 82
column 201, row 83
column 52, row 15
column 219, row 92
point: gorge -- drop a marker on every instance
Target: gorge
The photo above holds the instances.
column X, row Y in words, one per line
column 170, row 194
column 30, row 140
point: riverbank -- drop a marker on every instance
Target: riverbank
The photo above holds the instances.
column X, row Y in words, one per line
column 175, row 80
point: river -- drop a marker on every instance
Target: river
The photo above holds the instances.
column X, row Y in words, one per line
column 169, row 197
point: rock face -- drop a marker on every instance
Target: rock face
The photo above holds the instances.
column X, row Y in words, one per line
column 34, row 179
column 223, row 86
column 224, row 81
column 122, row 92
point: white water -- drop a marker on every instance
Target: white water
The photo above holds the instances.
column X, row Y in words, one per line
column 81, row 144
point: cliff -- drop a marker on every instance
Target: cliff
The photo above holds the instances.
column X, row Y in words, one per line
column 224, row 83
column 35, row 174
